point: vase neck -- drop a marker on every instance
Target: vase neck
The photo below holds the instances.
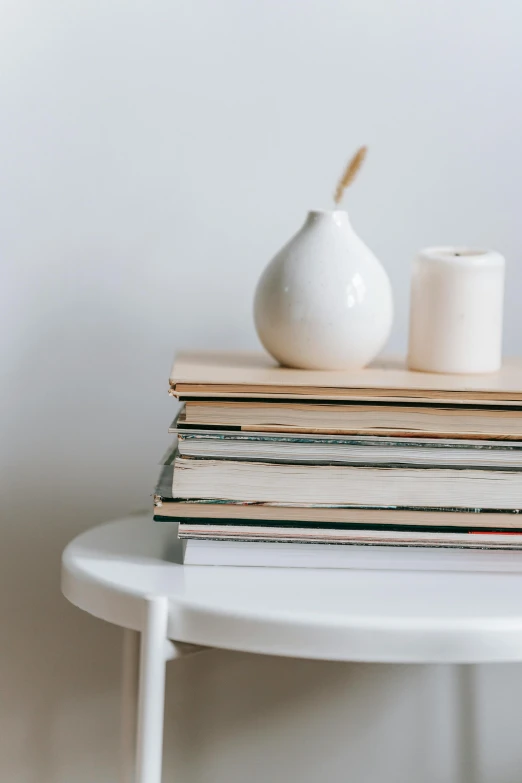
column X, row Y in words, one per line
column 335, row 217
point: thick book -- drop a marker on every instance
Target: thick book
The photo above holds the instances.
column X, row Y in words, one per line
column 274, row 555
column 346, row 484
column 457, row 421
column 251, row 374
column 363, row 450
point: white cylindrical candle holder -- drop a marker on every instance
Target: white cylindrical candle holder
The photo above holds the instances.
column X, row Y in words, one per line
column 457, row 298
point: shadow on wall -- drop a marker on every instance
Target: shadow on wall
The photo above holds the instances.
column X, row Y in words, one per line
column 74, row 454
column 283, row 719
column 84, row 382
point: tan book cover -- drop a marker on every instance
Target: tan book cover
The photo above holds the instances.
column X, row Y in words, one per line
column 167, row 508
column 254, row 374
column 356, row 418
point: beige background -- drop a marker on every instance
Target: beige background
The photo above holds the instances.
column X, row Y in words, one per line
column 153, row 157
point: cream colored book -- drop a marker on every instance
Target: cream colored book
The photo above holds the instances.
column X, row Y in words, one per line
column 346, row 484
column 250, row 374
column 356, row 419
column 347, row 449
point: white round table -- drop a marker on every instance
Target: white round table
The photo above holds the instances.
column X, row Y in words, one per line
column 129, row 573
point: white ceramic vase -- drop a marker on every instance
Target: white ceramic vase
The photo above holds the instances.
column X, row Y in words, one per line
column 324, row 302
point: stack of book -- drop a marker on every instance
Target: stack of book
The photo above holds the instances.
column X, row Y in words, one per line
column 372, row 468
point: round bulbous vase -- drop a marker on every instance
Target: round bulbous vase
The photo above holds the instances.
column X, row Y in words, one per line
column 325, row 301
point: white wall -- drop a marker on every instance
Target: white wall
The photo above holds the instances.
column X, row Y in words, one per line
column 153, row 156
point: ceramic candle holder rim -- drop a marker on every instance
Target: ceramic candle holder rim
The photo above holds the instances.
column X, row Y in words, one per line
column 462, row 256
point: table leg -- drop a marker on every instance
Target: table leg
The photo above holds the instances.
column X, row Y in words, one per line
column 129, row 703
column 467, row 747
column 153, row 658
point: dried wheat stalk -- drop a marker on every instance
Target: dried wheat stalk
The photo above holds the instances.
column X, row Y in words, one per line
column 350, row 173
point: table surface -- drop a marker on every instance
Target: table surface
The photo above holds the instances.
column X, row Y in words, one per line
column 345, row 615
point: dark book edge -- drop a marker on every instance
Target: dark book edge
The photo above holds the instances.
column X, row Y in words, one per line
column 340, row 526
column 352, row 402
